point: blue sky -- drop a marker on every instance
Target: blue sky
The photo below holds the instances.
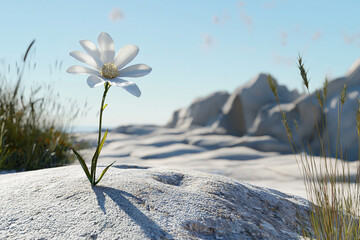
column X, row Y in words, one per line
column 194, row 47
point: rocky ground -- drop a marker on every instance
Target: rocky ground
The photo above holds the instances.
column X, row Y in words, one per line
column 141, row 203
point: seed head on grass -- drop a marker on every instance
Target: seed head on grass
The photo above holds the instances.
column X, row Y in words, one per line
column 296, row 125
column 325, row 88
column 303, row 72
column 357, row 112
column 286, row 125
column 334, row 200
column 343, row 95
column 272, row 85
column 320, row 98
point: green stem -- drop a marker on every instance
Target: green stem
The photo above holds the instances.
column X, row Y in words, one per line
column 94, row 163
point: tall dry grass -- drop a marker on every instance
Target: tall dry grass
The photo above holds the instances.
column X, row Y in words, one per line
column 332, row 186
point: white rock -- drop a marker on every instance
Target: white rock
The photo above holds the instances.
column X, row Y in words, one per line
column 201, row 112
column 241, row 109
column 140, row 203
column 231, row 119
column 304, row 110
column 257, row 93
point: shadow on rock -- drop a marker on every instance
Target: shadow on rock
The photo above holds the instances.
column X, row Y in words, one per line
column 150, row 228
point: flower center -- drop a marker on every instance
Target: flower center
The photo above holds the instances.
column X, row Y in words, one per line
column 109, row 70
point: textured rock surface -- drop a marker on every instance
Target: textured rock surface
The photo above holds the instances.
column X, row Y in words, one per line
column 305, row 111
column 231, row 119
column 230, row 114
column 201, row 112
column 242, row 107
column 142, row 203
column 256, row 93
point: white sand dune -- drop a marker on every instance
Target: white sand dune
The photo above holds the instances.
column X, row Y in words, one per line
column 199, row 150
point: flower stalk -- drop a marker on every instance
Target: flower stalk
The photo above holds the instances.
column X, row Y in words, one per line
column 100, row 144
column 92, row 174
column 108, row 70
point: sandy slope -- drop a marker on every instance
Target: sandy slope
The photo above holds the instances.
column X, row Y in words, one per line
column 199, row 150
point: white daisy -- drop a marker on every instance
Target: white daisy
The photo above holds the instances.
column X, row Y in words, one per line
column 106, row 66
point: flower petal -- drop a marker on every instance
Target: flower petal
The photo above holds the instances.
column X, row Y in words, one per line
column 82, row 70
column 83, row 57
column 95, row 81
column 126, row 55
column 137, row 70
column 128, row 86
column 92, row 50
column 107, row 48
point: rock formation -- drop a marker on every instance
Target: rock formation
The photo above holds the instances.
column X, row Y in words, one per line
column 348, row 130
column 241, row 108
column 251, row 110
column 231, row 118
column 201, row 112
column 139, row 203
column 305, row 111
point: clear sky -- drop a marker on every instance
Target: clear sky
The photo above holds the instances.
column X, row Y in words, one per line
column 194, row 47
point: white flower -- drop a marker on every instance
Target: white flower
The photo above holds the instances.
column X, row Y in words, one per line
column 106, row 66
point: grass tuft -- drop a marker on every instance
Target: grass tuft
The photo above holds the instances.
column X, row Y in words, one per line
column 31, row 131
column 332, row 188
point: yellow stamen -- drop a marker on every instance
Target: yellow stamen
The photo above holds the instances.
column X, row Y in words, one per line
column 109, row 70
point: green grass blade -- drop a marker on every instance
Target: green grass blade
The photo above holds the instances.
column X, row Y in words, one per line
column 103, row 173
column 93, row 163
column 103, row 141
column 97, row 153
column 83, row 164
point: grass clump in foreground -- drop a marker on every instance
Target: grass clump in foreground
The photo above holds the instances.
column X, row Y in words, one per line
column 31, row 135
column 333, row 191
